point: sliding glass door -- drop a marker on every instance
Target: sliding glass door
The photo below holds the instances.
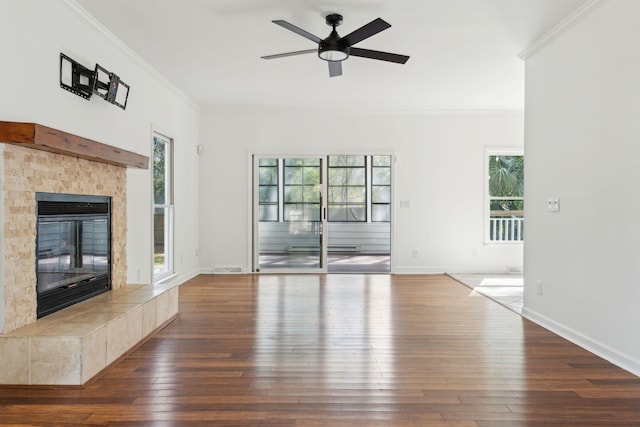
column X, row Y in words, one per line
column 289, row 218
column 358, row 229
column 322, row 214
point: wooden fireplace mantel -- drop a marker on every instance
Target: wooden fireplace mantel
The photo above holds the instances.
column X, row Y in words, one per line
column 45, row 138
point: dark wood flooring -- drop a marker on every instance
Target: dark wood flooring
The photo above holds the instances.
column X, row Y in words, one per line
column 342, row 350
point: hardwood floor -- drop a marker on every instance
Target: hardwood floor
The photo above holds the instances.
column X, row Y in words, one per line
column 342, row 350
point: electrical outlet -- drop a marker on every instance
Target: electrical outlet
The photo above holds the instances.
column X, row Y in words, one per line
column 539, row 284
column 553, row 205
column 415, row 253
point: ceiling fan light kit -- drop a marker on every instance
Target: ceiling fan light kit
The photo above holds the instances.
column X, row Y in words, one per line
column 335, row 49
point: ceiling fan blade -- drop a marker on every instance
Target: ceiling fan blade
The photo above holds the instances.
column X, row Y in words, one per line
column 376, row 54
column 284, row 55
column 366, row 31
column 335, row 68
column 297, row 30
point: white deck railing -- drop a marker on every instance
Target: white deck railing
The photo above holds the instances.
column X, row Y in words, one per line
column 506, row 229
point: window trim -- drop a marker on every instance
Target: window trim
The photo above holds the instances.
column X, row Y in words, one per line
column 168, row 206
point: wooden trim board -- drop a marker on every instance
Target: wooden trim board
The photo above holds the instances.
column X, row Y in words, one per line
column 45, row 138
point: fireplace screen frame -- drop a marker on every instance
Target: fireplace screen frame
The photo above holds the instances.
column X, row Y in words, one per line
column 69, row 266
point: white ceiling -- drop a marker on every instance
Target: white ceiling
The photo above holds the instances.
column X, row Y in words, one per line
column 463, row 52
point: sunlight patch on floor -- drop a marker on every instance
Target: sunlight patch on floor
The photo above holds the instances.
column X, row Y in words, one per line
column 505, row 289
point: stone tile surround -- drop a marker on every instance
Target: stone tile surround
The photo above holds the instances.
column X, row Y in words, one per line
column 73, row 345
column 26, row 171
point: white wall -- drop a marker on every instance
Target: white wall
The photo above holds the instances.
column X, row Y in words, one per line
column 32, row 34
column 582, row 145
column 439, row 170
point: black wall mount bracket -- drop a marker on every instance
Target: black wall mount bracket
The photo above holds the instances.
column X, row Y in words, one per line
column 75, row 77
column 84, row 82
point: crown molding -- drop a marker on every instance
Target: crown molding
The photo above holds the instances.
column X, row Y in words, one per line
column 561, row 27
column 74, row 7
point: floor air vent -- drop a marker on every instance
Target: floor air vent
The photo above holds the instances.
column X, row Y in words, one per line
column 227, row 270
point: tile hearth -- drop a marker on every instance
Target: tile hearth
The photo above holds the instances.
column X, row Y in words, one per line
column 73, row 345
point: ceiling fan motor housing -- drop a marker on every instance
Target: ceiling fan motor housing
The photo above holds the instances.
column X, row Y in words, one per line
column 333, row 48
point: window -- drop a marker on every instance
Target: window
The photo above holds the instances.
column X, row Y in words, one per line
column 380, row 188
column 269, row 193
column 358, row 189
column 347, row 198
column 301, row 185
column 506, row 198
column 162, row 207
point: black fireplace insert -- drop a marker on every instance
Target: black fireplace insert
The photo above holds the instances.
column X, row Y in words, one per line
column 73, row 247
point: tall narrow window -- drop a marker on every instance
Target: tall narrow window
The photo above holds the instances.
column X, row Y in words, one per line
column 163, row 207
column 506, row 198
column 269, row 192
column 380, row 188
column 347, row 189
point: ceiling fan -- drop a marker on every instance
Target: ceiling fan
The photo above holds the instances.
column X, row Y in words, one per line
column 335, row 49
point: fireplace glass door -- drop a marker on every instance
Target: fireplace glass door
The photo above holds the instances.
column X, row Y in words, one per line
column 71, row 251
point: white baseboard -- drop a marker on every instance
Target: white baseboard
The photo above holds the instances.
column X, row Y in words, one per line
column 187, row 276
column 419, row 270
column 224, row 270
column 179, row 279
column 228, row 269
column 612, row 355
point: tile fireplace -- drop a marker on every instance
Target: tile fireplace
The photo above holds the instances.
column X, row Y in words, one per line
column 75, row 181
column 37, row 159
